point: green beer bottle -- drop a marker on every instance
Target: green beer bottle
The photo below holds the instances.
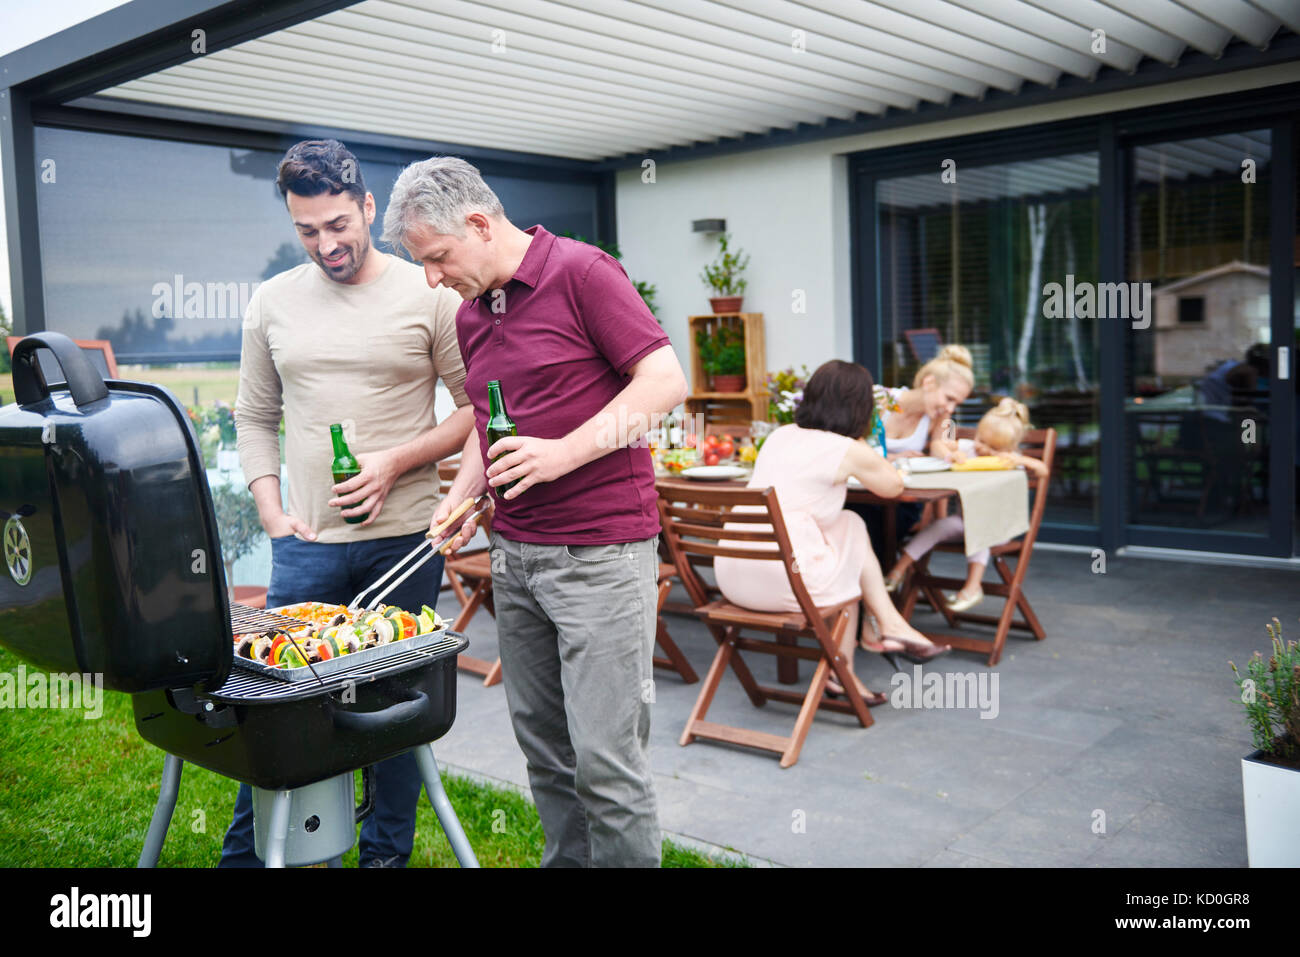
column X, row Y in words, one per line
column 344, row 466
column 499, row 426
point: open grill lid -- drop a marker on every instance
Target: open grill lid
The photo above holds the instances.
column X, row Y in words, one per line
column 112, row 557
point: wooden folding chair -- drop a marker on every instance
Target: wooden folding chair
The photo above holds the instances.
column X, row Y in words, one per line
column 1040, row 444
column 469, row 574
column 693, row 525
column 672, row 658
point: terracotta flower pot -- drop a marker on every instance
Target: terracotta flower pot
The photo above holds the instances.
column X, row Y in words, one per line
column 728, row 383
column 724, row 304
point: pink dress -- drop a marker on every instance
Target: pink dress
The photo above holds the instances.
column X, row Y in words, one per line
column 829, row 543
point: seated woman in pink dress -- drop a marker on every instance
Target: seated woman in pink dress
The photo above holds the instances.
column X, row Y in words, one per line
column 809, row 464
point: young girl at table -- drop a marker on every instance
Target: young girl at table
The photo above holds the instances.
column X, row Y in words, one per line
column 999, row 434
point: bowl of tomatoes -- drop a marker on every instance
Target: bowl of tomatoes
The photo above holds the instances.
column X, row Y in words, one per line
column 717, row 449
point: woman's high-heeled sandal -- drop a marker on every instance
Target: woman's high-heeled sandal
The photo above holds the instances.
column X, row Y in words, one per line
column 879, row 649
column 870, row 698
column 926, row 652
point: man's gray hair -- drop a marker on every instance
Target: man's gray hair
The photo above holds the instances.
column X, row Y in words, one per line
column 437, row 193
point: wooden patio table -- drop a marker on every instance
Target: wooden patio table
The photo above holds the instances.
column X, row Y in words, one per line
column 788, row 669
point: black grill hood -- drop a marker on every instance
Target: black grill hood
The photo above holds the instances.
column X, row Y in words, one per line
column 112, row 558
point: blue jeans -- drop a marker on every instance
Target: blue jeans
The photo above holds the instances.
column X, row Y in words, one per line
column 311, row 571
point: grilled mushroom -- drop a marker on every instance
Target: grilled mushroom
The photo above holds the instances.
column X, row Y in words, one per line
column 261, row 649
column 385, row 631
column 244, row 647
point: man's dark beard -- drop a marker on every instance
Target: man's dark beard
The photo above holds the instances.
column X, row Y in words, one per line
column 358, row 263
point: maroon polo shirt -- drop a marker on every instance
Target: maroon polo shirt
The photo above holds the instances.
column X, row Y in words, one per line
column 572, row 326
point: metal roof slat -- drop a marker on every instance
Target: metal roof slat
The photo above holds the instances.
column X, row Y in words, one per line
column 316, row 114
column 1286, row 12
column 213, row 90
column 1240, row 18
column 535, row 68
column 305, row 124
column 873, row 15
column 597, row 103
column 875, row 41
column 923, row 82
column 648, row 100
column 557, row 54
column 773, row 49
column 594, row 116
column 1177, row 21
column 1092, row 15
column 1058, row 30
column 340, row 88
column 730, row 53
column 625, row 55
column 1013, row 39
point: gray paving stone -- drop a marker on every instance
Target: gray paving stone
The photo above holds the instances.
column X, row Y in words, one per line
column 1166, row 836
column 1128, row 707
column 1051, row 825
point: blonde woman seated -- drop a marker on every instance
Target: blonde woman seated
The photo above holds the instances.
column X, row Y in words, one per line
column 999, row 434
column 924, row 411
column 920, row 426
column 809, row 464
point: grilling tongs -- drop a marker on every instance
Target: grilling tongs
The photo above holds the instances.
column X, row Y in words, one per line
column 480, row 505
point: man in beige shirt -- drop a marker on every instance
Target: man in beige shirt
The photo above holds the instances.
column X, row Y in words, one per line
column 355, row 337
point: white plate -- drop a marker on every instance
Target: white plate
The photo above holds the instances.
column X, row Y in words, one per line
column 715, row 473
column 927, row 463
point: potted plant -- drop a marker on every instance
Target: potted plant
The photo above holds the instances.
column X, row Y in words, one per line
column 1270, row 777
column 223, row 416
column 722, row 354
column 725, row 276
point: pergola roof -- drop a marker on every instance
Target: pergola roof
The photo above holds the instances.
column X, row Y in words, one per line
column 600, row 79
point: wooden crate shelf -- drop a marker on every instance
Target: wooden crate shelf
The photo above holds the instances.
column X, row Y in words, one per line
column 730, row 407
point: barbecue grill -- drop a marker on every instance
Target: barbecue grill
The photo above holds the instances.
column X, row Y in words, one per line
column 113, row 567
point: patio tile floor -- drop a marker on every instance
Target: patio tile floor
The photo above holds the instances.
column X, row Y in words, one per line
column 1127, row 708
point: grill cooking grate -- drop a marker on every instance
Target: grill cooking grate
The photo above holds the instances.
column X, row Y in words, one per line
column 251, row 687
column 244, row 620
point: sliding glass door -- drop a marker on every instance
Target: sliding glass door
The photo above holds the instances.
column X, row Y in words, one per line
column 974, row 258
column 1202, row 385
column 1133, row 280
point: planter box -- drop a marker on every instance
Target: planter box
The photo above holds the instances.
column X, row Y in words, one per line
column 1272, row 798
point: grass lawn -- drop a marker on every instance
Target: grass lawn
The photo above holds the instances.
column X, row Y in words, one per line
column 211, row 383
column 79, row 793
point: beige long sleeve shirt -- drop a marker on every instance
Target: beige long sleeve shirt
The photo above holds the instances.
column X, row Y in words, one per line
column 367, row 356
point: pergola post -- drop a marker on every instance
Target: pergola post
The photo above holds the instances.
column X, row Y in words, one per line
column 18, row 161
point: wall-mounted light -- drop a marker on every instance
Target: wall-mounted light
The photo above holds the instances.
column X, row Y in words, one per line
column 709, row 226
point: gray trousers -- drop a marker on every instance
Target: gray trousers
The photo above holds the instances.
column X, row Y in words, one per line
column 576, row 626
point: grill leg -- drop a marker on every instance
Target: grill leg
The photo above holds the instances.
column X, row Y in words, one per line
column 278, row 833
column 442, row 807
column 162, row 812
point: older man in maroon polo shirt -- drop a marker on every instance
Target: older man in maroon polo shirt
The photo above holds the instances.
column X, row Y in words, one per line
column 584, row 369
